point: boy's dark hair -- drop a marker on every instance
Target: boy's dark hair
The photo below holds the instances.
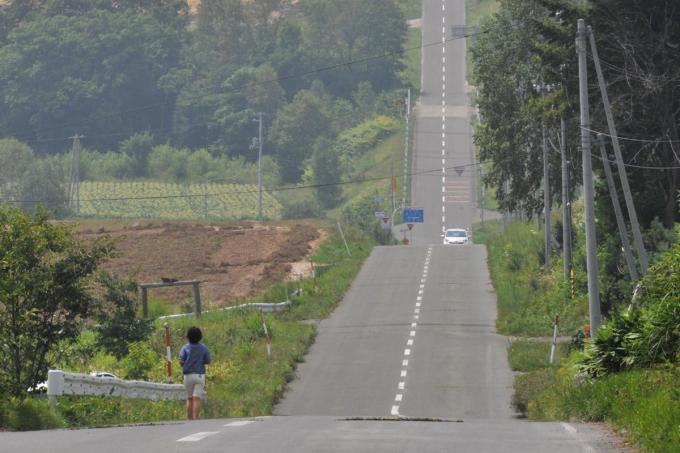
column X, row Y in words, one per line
column 194, row 335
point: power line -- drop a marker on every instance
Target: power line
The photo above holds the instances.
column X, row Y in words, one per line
column 240, row 192
column 630, row 139
column 345, row 64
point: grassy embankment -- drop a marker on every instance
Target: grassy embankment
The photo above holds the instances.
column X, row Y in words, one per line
column 643, row 404
column 242, row 381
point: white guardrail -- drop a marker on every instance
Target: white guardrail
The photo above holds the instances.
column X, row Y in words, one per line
column 61, row 383
column 265, row 307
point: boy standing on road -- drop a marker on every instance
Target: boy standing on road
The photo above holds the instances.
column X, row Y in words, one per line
column 193, row 357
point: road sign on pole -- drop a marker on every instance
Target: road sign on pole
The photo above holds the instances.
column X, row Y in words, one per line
column 414, row 215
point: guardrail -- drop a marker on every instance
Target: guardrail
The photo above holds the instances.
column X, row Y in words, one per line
column 61, row 383
column 265, row 307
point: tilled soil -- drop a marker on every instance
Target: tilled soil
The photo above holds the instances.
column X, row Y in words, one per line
column 233, row 260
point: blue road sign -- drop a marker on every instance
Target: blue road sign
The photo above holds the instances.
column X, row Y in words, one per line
column 414, row 215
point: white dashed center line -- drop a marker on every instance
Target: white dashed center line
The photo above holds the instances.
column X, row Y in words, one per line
column 197, row 436
column 401, row 385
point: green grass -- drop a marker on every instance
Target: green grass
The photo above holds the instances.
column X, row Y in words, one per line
column 477, row 10
column 242, row 380
column 645, row 404
column 412, row 60
column 528, row 298
column 158, row 200
column 412, row 9
column 530, row 355
column 380, row 162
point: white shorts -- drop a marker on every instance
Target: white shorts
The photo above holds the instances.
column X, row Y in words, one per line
column 195, row 385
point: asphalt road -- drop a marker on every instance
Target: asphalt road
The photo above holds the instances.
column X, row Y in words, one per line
column 410, row 360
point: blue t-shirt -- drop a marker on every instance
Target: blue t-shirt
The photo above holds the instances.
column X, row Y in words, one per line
column 194, row 357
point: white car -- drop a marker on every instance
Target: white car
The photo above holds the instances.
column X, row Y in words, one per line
column 456, row 236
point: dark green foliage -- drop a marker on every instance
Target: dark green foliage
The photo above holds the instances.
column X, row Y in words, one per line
column 649, row 334
column 362, row 215
column 28, row 182
column 44, row 296
column 117, row 317
column 327, row 174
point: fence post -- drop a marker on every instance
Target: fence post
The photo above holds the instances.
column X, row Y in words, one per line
column 55, row 386
column 197, row 299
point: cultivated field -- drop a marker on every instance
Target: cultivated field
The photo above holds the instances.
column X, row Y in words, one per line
column 158, row 200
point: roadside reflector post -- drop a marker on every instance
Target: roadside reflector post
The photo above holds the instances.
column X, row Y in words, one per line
column 168, row 353
column 266, row 335
column 554, row 339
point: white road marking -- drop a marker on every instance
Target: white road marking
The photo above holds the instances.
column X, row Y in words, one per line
column 570, row 429
column 401, row 386
column 418, row 304
column 404, row 362
column 403, row 373
column 419, row 298
column 239, row 423
column 395, row 410
column 409, row 342
column 415, row 316
column 407, row 352
column 197, row 436
column 412, row 333
column 416, row 311
column 413, row 324
column 398, row 397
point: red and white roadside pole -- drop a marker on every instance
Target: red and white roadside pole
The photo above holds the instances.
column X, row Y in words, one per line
column 168, row 353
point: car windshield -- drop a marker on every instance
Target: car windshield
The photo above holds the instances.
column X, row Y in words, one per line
column 456, row 234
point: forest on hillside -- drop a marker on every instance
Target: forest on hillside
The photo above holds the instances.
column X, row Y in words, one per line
column 163, row 91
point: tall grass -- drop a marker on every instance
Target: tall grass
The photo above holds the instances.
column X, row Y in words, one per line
column 528, row 297
column 643, row 403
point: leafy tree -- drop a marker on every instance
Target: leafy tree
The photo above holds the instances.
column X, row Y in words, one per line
column 296, row 128
column 118, row 325
column 338, row 32
column 327, row 173
column 138, row 147
column 94, row 74
column 44, row 298
column 29, row 182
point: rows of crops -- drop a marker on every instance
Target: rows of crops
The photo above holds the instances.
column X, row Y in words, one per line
column 157, row 200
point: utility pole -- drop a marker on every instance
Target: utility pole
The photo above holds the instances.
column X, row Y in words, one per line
column 566, row 203
column 74, row 186
column 259, row 165
column 632, row 271
column 630, row 206
column 588, row 190
column 546, row 201
column 481, row 188
column 406, row 143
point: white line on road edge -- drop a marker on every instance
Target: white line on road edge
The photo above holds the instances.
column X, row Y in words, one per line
column 398, row 397
column 403, row 373
column 570, row 429
column 197, row 436
column 239, row 423
column 407, row 352
column 404, row 362
column 395, row 410
column 573, row 431
column 401, row 386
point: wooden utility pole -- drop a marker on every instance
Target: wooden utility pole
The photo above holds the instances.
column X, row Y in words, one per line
column 630, row 206
column 566, row 203
column 588, row 190
column 621, row 225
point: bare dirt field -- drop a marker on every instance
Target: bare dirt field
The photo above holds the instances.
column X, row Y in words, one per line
column 233, row 260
